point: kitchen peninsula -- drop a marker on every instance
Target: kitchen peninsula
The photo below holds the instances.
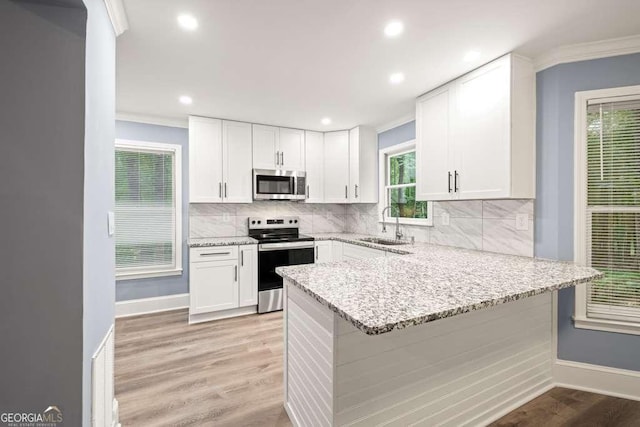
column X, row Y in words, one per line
column 433, row 336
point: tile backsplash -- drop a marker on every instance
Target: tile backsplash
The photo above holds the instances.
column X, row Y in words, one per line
column 220, row 220
column 488, row 225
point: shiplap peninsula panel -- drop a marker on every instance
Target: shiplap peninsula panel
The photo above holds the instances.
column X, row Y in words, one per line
column 456, row 371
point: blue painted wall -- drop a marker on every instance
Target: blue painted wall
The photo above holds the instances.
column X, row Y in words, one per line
column 171, row 285
column 556, row 88
column 402, row 133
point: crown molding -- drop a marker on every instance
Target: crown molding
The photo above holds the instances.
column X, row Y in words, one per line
column 118, row 15
column 395, row 123
column 152, row 120
column 587, row 51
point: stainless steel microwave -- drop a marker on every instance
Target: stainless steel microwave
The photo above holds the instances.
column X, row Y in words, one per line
column 274, row 184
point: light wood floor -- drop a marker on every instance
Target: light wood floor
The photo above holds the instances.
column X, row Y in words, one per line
column 229, row 373
column 224, row 373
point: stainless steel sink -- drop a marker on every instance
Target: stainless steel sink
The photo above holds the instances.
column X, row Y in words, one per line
column 380, row 241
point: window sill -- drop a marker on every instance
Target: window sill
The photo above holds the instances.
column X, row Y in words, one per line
column 581, row 322
column 148, row 274
column 409, row 221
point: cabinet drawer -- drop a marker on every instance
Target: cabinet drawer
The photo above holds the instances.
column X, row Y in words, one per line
column 218, row 253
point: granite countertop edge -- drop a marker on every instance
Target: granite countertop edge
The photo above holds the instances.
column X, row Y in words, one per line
column 207, row 242
column 381, row 329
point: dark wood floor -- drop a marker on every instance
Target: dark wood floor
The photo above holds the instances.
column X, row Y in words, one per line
column 563, row 407
column 229, row 373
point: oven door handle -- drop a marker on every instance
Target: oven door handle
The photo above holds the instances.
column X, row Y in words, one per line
column 264, row 247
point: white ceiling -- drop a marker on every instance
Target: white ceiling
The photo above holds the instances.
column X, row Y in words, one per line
column 292, row 62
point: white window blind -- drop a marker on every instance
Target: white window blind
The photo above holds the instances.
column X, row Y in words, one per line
column 146, row 209
column 613, row 208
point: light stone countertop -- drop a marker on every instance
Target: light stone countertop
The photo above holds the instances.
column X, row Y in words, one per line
column 204, row 242
column 427, row 283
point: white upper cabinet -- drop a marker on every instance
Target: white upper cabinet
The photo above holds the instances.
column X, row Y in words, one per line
column 237, row 168
column 363, row 165
column 314, row 143
column 336, row 167
column 266, row 140
column 220, row 169
column 475, row 137
column 434, row 180
column 278, row 148
column 292, row 149
column 205, row 160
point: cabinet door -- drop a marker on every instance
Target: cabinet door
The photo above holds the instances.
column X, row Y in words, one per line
column 336, row 167
column 291, row 149
column 324, row 252
column 236, row 155
column 360, row 252
column 205, row 160
column 354, row 165
column 336, row 250
column 314, row 153
column 433, row 145
column 213, row 286
column 482, row 138
column 266, row 154
column 367, row 167
column 248, row 286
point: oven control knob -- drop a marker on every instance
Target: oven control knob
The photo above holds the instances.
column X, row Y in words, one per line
column 253, row 222
column 259, row 222
column 296, row 221
column 290, row 221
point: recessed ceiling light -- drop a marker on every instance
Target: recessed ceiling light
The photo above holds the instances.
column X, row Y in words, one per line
column 326, row 121
column 187, row 22
column 394, row 28
column 186, row 100
column 472, row 55
column 396, row 78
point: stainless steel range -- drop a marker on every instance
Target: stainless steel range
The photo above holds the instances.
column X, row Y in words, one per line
column 280, row 244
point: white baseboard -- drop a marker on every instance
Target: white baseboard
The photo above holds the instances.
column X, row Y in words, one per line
column 223, row 314
column 597, row 379
column 151, row 305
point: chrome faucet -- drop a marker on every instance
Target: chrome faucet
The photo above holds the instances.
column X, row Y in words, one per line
column 384, row 224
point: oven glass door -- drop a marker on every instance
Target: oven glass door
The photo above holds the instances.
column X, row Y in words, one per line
column 269, row 260
column 269, row 184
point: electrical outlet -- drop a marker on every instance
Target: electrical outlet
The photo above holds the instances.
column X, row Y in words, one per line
column 445, row 218
column 522, row 222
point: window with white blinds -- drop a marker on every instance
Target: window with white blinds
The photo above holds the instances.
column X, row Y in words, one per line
column 147, row 209
column 613, row 207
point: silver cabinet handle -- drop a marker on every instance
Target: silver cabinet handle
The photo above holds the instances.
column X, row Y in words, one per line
column 282, row 158
column 242, row 258
column 317, row 252
column 346, row 191
column 216, row 253
column 277, row 157
column 225, row 190
column 449, row 181
column 356, row 191
column 220, row 190
column 236, row 269
column 455, row 181
column 308, row 191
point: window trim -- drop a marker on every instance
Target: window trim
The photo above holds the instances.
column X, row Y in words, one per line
column 383, row 175
column 580, row 318
column 156, row 147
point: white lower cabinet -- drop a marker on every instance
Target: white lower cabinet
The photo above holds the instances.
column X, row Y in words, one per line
column 248, row 285
column 324, row 251
column 350, row 251
column 223, row 282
